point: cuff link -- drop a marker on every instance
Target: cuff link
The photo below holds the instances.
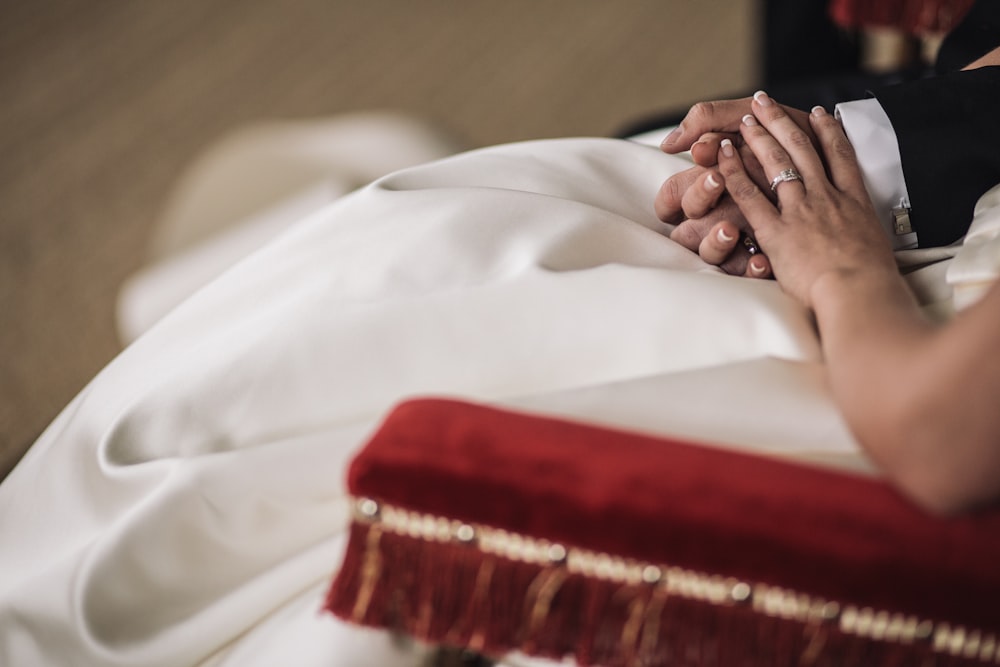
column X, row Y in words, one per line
column 901, row 220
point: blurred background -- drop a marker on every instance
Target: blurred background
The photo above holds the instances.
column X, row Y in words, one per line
column 102, row 104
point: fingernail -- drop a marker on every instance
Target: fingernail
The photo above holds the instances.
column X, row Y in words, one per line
column 749, row 120
column 711, row 183
column 762, row 98
column 723, row 236
column 757, row 269
column 818, row 111
column 672, row 137
column 727, row 148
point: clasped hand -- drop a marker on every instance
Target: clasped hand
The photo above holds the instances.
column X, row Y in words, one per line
column 805, row 228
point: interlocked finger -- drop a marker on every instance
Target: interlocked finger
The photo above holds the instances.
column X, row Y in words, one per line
column 703, row 195
column 705, row 151
column 759, row 266
column 756, row 208
column 669, row 198
column 719, row 243
column 844, row 171
column 783, row 176
column 796, row 136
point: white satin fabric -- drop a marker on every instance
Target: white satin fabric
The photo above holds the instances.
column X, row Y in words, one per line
column 976, row 266
column 188, row 507
column 252, row 184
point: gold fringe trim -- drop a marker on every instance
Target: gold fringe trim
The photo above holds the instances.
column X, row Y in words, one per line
column 371, row 569
column 560, row 561
column 538, row 599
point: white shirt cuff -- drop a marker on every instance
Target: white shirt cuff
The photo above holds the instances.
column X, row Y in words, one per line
column 870, row 131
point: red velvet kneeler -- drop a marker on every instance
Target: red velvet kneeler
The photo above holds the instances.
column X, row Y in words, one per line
column 499, row 531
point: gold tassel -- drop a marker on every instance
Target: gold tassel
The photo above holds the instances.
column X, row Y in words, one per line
column 630, row 631
column 484, row 576
column 483, row 579
column 817, row 640
column 423, row 626
column 540, row 595
column 651, row 625
column 371, row 570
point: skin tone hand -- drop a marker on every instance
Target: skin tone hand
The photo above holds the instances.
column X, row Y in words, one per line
column 919, row 397
column 715, row 234
column 708, row 123
column 707, row 221
column 714, row 223
column 830, row 228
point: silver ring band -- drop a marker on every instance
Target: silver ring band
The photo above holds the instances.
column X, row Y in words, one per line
column 785, row 175
column 751, row 245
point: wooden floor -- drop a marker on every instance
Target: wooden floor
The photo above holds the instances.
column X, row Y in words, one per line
column 103, row 103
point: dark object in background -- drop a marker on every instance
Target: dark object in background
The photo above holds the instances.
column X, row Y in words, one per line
column 801, row 41
column 973, row 38
column 807, row 60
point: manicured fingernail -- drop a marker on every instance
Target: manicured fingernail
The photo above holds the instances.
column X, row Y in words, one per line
column 727, row 148
column 723, row 236
column 672, row 137
column 749, row 120
column 757, row 269
column 818, row 111
column 711, row 183
column 762, row 98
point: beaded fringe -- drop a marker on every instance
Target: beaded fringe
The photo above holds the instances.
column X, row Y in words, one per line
column 493, row 592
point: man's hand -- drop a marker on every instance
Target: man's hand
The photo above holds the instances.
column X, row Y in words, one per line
column 708, row 123
column 716, row 237
column 696, row 192
column 708, row 221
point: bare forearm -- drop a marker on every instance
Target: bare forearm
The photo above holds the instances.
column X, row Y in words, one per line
column 991, row 58
column 870, row 326
column 920, row 398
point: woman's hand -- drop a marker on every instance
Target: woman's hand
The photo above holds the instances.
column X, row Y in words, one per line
column 919, row 397
column 823, row 224
column 706, row 223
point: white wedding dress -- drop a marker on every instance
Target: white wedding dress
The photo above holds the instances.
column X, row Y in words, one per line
column 188, row 507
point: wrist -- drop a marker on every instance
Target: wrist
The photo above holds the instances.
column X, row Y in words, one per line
column 864, row 303
column 835, row 288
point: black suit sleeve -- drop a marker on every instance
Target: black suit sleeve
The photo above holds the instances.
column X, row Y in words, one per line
column 948, row 129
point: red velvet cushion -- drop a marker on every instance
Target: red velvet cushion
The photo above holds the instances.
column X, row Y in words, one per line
column 655, row 500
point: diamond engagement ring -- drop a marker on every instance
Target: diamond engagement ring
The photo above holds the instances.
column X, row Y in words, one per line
column 751, row 245
column 785, row 175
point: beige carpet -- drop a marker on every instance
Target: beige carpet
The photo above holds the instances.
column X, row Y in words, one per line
column 103, row 103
